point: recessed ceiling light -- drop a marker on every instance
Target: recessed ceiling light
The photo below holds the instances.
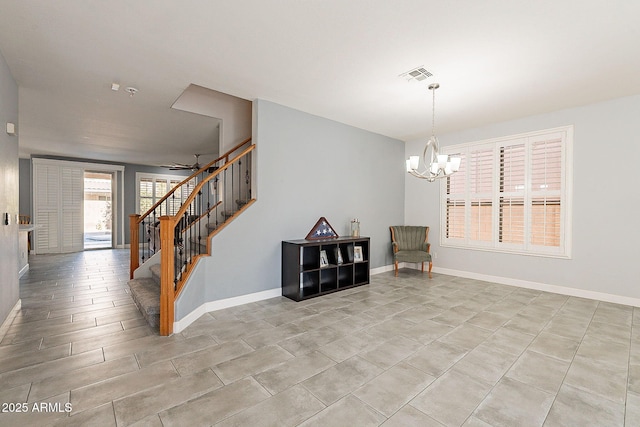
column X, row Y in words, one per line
column 417, row 74
column 115, row 87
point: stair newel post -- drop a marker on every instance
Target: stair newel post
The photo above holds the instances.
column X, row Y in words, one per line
column 167, row 274
column 134, row 240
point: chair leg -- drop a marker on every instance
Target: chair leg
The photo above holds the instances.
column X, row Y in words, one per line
column 423, row 266
column 396, row 268
column 430, row 266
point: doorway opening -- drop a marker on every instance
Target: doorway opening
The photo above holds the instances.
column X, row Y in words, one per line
column 98, row 216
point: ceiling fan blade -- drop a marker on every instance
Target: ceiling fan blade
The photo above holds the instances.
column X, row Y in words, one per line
column 176, row 166
column 181, row 166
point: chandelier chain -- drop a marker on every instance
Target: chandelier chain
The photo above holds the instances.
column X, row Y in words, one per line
column 433, row 110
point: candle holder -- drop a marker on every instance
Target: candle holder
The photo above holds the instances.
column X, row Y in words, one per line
column 355, row 227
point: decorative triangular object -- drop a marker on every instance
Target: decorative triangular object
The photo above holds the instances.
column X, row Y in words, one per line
column 322, row 230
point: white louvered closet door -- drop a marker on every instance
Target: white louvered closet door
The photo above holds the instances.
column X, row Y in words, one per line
column 58, row 208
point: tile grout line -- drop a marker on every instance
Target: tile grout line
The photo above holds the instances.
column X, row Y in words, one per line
column 571, row 362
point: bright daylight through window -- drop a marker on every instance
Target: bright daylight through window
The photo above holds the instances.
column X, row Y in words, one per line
column 511, row 194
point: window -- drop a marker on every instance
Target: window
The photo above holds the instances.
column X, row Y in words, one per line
column 511, row 194
column 152, row 187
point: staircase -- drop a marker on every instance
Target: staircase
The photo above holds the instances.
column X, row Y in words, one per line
column 178, row 228
column 146, row 295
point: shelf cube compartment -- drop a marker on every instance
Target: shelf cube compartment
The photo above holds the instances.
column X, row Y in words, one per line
column 361, row 272
column 309, row 283
column 345, row 275
column 310, row 257
column 328, row 280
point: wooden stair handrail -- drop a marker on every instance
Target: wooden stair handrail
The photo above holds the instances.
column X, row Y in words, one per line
column 225, row 156
column 136, row 219
column 202, row 183
column 169, row 290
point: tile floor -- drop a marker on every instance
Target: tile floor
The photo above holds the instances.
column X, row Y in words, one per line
column 398, row 352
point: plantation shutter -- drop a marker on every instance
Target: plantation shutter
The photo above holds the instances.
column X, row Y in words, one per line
column 145, row 192
column 46, row 202
column 72, row 191
column 514, row 192
column 511, row 224
column 455, row 206
column 546, row 191
column 58, row 208
column 481, row 194
column 152, row 188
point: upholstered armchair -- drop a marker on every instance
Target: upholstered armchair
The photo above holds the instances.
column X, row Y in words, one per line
column 409, row 244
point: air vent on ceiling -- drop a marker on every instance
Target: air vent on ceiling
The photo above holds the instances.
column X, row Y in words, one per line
column 418, row 74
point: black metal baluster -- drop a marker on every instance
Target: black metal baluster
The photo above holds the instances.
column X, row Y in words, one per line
column 239, row 201
column 196, row 222
column 218, row 199
column 232, row 189
column 209, row 188
column 248, row 175
column 142, row 237
column 147, row 241
column 176, row 257
column 224, row 196
column 153, row 248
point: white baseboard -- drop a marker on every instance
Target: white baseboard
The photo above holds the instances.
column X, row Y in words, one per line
column 183, row 323
column 207, row 307
column 23, row 270
column 9, row 320
column 383, row 269
column 556, row 289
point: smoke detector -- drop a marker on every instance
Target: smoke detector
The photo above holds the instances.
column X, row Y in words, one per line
column 131, row 90
column 418, row 74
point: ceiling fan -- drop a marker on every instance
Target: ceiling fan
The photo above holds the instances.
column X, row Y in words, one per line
column 180, row 166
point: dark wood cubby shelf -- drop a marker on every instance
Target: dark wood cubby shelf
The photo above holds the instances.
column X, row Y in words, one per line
column 303, row 276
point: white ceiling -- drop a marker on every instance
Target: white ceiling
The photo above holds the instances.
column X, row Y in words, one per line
column 495, row 60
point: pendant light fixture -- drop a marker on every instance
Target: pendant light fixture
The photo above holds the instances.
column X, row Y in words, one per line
column 435, row 165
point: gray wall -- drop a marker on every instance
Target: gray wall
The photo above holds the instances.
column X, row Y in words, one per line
column 606, row 202
column 9, row 200
column 307, row 167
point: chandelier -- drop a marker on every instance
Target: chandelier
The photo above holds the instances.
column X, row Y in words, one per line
column 439, row 165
